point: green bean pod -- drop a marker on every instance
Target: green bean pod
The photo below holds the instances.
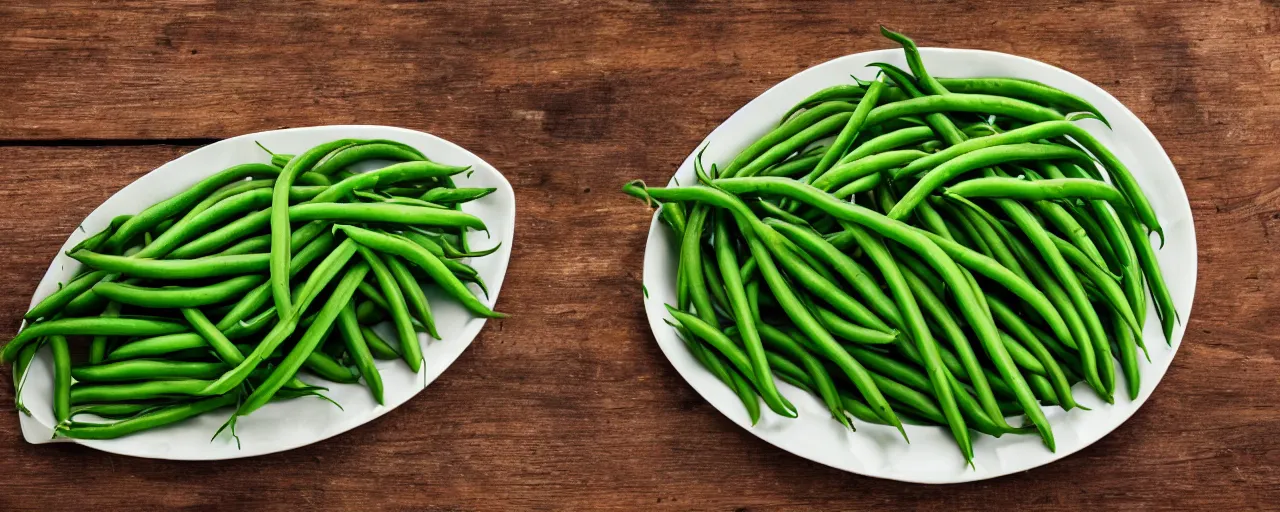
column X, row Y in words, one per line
column 147, row 369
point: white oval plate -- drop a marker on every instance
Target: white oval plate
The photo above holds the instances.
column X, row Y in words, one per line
column 932, row 457
column 280, row 426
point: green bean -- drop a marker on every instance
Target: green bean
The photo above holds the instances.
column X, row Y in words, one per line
column 818, row 375
column 771, row 210
column 1147, row 260
column 352, row 335
column 791, row 374
column 106, row 326
column 850, row 270
column 1094, row 232
column 914, row 61
column 341, row 158
column 211, row 266
column 1021, row 89
column 976, row 103
column 454, row 252
column 821, row 338
column 384, row 212
column 409, row 345
column 20, row 367
column 731, row 378
column 376, row 298
column 840, row 92
column 147, row 369
column 715, row 285
column 144, row 390
column 252, row 245
column 1043, row 390
column 407, row 201
column 1019, row 329
column 98, row 345
column 158, row 212
column 1062, row 219
column 58, row 299
column 946, row 130
column 413, row 294
column 160, row 417
column 916, row 401
column 953, row 365
column 786, row 298
column 784, row 132
column 716, row 339
column 96, row 241
column 306, row 345
column 860, row 185
column 231, row 189
column 1125, row 343
column 395, row 173
column 1105, row 283
column 847, row 172
column 848, row 212
column 742, row 387
column 222, row 346
column 116, row 410
column 61, row 377
column 177, row 296
column 1109, row 224
column 850, row 131
column 977, row 159
column 229, row 208
column 794, row 143
column 320, row 277
column 727, row 261
column 256, row 298
column 1019, row 286
column 830, row 293
column 847, row 330
column 1041, row 240
column 426, row 242
column 892, row 140
column 230, row 232
column 1120, row 174
column 952, row 332
column 862, row 411
column 377, row 346
column 328, row 368
column 157, row 345
column 423, row 259
column 906, row 375
column 279, row 220
column 794, row 166
column 1014, row 188
column 455, row 195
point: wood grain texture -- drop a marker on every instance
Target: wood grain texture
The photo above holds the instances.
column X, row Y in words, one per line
column 569, row 404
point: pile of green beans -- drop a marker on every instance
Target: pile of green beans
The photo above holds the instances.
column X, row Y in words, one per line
column 223, row 294
column 951, row 252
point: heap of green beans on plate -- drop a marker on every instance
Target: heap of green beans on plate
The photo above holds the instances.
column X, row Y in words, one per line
column 933, row 251
column 219, row 296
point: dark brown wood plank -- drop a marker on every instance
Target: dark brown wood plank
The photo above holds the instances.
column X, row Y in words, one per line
column 568, row 404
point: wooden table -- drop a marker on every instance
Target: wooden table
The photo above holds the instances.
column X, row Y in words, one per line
column 569, row 404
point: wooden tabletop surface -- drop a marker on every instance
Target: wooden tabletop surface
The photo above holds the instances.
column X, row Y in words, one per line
column 569, row 404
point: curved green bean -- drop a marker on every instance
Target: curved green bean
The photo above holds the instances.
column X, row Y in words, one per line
column 423, row 259
column 211, row 266
column 178, row 296
column 94, row 326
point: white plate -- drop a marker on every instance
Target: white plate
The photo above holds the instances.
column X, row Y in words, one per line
column 932, row 457
column 281, row 426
